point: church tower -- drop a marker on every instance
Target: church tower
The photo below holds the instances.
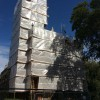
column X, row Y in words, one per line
column 40, row 59
column 30, row 52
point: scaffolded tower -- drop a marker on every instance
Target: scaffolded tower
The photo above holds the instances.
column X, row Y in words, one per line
column 39, row 58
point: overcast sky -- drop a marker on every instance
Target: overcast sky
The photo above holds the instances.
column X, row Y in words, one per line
column 59, row 13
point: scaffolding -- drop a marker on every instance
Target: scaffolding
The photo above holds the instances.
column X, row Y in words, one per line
column 41, row 62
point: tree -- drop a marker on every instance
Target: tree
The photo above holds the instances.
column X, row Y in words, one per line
column 93, row 79
column 85, row 21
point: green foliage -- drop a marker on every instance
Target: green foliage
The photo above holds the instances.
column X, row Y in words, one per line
column 85, row 21
column 93, row 79
column 95, row 4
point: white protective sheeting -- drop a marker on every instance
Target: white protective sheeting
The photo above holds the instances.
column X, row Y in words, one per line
column 43, row 53
column 44, row 34
column 28, row 69
column 39, row 72
column 13, row 71
column 22, row 57
column 23, row 44
column 12, row 83
column 41, row 44
column 30, row 4
column 26, row 13
column 43, row 59
column 16, row 29
column 14, row 48
column 15, row 39
column 46, row 83
column 39, row 9
column 36, row 11
column 37, row 69
column 19, row 44
column 21, row 69
column 39, row 17
column 42, row 2
column 27, row 4
column 28, row 82
column 13, row 59
column 25, row 23
column 18, row 70
column 24, row 33
column 42, row 56
column 17, row 82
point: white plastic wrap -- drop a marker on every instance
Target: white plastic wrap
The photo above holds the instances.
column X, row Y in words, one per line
column 37, row 24
column 14, row 39
column 26, row 13
column 39, row 69
column 13, row 71
column 42, row 2
column 39, row 17
column 43, row 53
column 44, row 34
column 23, row 44
column 22, row 57
column 18, row 70
column 36, row 11
column 16, row 29
column 14, row 48
column 25, row 23
column 13, row 59
column 40, row 65
column 41, row 44
column 34, row 16
column 42, row 56
column 46, row 83
column 16, row 24
column 28, row 82
column 24, row 33
column 29, row 4
column 12, row 84
column 42, row 10
column 17, row 82
column 43, row 59
column 20, row 80
column 26, row 4
column 21, row 70
column 39, row 72
column 39, row 9
column 28, row 69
